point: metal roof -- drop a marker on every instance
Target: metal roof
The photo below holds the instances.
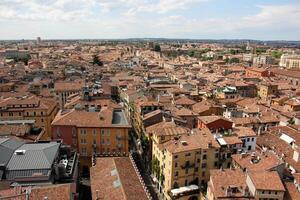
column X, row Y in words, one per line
column 7, row 148
column 36, row 156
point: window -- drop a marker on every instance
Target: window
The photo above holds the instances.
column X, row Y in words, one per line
column 102, row 132
column 204, row 157
column 108, row 132
column 34, row 113
column 176, row 156
column 187, row 154
column 228, row 155
column 186, row 170
column 103, row 141
column 108, row 141
column 83, row 141
column 42, row 113
column 42, row 120
column 58, row 132
column 203, row 174
column 176, row 173
column 203, row 165
column 186, row 182
column 94, row 132
column 74, row 132
column 176, row 164
column 82, row 131
column 83, row 151
column 252, row 139
column 216, row 164
column 216, row 155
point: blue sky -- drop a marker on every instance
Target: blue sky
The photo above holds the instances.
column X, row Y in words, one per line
column 196, row 19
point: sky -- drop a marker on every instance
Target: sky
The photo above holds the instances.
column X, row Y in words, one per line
column 118, row 19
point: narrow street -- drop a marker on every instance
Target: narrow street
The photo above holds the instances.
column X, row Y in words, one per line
column 140, row 164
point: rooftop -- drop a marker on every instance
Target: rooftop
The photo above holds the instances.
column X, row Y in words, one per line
column 116, row 179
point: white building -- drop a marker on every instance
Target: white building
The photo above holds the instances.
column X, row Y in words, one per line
column 290, row 61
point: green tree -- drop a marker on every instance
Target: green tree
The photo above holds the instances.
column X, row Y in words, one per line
column 191, row 53
column 277, row 54
column 23, row 58
column 157, row 48
column 97, row 61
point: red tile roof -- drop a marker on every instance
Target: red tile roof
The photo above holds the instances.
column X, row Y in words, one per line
column 116, row 179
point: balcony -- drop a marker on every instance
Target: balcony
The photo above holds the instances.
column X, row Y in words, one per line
column 187, row 165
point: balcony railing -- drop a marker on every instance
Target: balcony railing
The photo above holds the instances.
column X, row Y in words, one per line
column 188, row 165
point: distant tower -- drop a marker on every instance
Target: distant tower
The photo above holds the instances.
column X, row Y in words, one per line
column 38, row 40
column 248, row 47
column 151, row 45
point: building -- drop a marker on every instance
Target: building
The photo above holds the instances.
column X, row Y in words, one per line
column 227, row 93
column 292, row 76
column 261, row 187
column 290, row 61
column 266, row 90
column 248, row 137
column 214, row 123
column 36, row 164
column 117, row 178
column 54, row 191
column 258, row 161
column 263, row 60
column 228, row 184
column 41, row 110
column 236, row 184
column 38, row 40
column 101, row 133
column 7, row 149
column 63, row 90
column 255, row 72
column 181, row 165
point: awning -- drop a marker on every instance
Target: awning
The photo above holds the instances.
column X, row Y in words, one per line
column 287, row 138
column 221, row 141
column 180, row 190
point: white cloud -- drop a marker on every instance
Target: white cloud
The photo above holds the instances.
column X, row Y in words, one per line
column 80, row 9
column 77, row 19
column 45, row 9
column 163, row 6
